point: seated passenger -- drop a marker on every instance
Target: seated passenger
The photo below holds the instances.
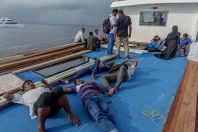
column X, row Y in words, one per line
column 92, row 42
column 97, row 67
column 95, row 103
column 80, row 36
column 171, row 42
column 153, row 46
column 124, row 73
column 99, row 36
column 42, row 101
column 184, row 45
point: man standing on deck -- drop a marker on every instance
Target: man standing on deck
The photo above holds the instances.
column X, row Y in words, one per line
column 95, row 103
column 80, row 36
column 42, row 101
column 122, row 32
column 113, row 18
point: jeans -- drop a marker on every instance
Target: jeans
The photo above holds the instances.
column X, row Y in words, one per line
column 97, row 107
column 110, row 44
column 98, row 43
column 91, row 69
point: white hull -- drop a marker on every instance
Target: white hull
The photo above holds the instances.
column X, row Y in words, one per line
column 12, row 25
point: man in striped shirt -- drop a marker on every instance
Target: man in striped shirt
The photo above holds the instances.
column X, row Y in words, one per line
column 95, row 103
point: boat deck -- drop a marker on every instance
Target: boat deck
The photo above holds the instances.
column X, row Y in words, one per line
column 141, row 105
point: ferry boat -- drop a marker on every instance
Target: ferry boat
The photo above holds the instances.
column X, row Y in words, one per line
column 161, row 95
column 6, row 22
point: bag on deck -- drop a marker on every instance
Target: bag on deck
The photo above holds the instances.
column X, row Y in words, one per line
column 106, row 25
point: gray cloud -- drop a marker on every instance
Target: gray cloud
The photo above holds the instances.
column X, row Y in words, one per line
column 75, row 12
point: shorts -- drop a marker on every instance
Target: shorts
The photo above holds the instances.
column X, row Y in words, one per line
column 49, row 100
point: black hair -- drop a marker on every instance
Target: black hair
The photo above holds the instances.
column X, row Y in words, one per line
column 121, row 12
column 115, row 11
column 185, row 34
column 24, row 83
column 90, row 33
column 96, row 30
column 75, row 81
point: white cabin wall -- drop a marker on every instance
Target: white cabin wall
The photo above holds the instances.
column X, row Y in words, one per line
column 183, row 15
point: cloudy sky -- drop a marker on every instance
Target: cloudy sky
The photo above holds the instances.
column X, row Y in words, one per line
column 72, row 12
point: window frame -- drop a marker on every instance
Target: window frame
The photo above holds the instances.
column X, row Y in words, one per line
column 153, row 25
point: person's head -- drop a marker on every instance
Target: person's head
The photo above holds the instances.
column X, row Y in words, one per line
column 82, row 29
column 90, row 34
column 78, row 81
column 96, row 31
column 185, row 35
column 120, row 13
column 156, row 38
column 28, row 85
column 114, row 12
column 175, row 28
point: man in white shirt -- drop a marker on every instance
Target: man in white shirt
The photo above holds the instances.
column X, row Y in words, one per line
column 122, row 73
column 113, row 19
column 42, row 101
column 80, row 36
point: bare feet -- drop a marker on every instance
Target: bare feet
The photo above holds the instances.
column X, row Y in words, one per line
column 112, row 91
column 75, row 121
column 93, row 77
column 118, row 56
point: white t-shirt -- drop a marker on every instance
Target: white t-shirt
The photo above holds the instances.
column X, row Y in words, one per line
column 131, row 70
column 113, row 20
column 97, row 35
column 79, row 37
column 29, row 98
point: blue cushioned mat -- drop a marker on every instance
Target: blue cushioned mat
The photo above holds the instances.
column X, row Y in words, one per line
column 141, row 105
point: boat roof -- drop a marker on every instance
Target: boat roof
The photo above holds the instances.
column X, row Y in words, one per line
column 141, row 105
column 123, row 3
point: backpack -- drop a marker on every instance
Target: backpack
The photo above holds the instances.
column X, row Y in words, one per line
column 106, row 25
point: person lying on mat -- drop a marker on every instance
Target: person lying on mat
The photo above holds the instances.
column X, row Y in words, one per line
column 123, row 72
column 97, row 67
column 42, row 101
column 94, row 102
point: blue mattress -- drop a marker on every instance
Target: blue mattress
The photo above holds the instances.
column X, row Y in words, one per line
column 141, row 105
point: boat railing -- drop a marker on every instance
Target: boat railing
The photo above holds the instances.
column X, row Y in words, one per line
column 33, row 47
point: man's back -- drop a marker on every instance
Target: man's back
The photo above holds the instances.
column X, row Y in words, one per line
column 122, row 24
column 91, row 42
column 79, row 37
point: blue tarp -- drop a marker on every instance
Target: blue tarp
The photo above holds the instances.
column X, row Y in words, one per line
column 141, row 105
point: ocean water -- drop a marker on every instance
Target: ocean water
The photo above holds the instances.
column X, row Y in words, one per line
column 36, row 37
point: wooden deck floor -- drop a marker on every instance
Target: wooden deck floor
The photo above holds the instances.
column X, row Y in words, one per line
column 182, row 117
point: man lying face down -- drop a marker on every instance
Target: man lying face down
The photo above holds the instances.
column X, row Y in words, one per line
column 95, row 103
column 97, row 67
column 42, row 101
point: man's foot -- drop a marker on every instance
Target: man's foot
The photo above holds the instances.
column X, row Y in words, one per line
column 128, row 57
column 65, row 81
column 118, row 56
column 93, row 77
column 112, row 91
column 74, row 120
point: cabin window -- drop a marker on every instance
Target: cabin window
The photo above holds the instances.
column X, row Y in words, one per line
column 153, row 18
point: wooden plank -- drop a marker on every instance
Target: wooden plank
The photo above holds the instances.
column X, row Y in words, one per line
column 182, row 115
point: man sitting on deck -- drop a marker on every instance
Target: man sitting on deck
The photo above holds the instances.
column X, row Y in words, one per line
column 43, row 101
column 97, row 67
column 122, row 73
column 95, row 103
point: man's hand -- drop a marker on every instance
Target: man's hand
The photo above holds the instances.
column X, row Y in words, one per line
column 74, row 120
column 8, row 97
column 65, row 81
column 44, row 82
